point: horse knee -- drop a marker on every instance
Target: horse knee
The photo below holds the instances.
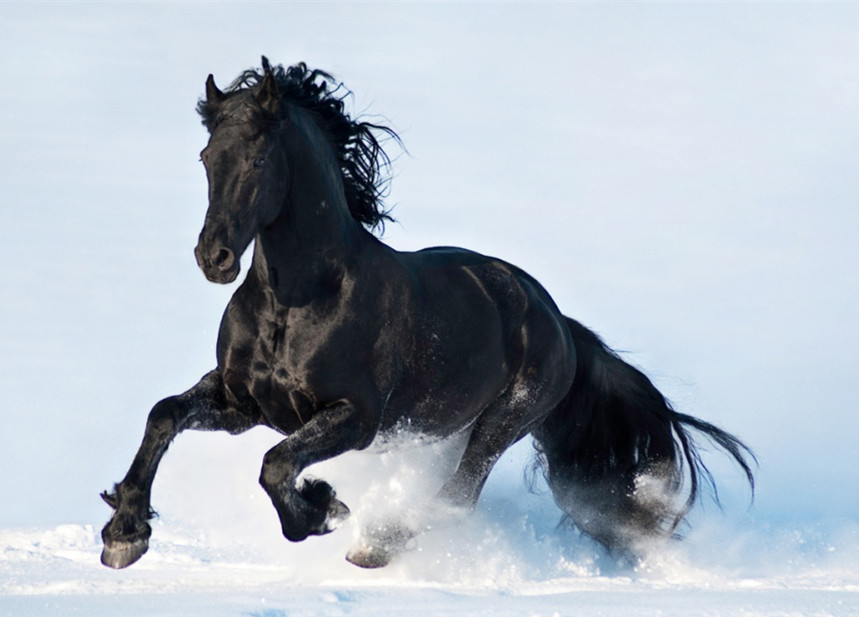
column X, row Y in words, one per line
column 163, row 419
column 275, row 471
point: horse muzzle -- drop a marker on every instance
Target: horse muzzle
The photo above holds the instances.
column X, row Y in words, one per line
column 217, row 261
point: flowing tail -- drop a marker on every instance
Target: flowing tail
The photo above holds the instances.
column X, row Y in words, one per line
column 615, row 453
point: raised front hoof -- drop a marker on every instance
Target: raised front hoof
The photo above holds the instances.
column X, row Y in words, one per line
column 337, row 514
column 121, row 553
column 317, row 513
column 329, row 513
column 319, row 522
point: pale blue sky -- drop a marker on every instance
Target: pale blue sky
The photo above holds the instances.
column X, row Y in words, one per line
column 681, row 177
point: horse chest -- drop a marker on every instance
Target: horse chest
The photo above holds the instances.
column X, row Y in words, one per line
column 289, row 354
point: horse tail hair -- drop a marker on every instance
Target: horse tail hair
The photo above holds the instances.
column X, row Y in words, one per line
column 615, row 453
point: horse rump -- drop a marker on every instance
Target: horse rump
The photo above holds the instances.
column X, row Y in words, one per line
column 615, row 454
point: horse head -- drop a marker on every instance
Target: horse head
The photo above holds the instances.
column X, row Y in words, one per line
column 284, row 158
column 245, row 169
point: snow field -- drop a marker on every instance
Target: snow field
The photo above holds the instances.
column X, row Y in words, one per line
column 508, row 558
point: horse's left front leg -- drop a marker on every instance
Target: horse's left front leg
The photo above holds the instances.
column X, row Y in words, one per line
column 312, row 508
column 206, row 406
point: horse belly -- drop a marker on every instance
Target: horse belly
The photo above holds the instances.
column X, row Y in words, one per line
column 447, row 386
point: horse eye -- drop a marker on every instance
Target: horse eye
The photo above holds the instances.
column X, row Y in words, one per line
column 258, row 162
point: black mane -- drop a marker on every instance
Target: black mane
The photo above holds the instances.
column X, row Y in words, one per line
column 359, row 153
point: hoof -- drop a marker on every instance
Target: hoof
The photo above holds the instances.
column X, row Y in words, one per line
column 122, row 554
column 370, row 557
column 338, row 512
column 380, row 546
column 330, row 512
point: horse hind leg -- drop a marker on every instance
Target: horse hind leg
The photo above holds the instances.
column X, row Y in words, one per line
column 625, row 513
column 498, row 427
column 126, row 535
column 615, row 453
column 617, row 483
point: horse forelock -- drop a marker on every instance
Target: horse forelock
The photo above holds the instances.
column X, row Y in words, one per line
column 363, row 162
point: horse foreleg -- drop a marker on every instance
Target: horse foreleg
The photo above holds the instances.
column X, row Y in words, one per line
column 312, row 508
column 206, row 406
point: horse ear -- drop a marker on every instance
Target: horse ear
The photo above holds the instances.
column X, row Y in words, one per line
column 268, row 96
column 213, row 95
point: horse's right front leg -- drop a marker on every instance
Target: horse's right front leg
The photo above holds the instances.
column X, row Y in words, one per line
column 312, row 508
column 206, row 406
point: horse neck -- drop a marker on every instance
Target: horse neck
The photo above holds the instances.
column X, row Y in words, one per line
column 314, row 243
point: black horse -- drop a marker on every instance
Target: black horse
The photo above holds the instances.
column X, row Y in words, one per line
column 334, row 339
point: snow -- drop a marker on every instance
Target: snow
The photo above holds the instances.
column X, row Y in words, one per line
column 509, row 558
column 56, row 571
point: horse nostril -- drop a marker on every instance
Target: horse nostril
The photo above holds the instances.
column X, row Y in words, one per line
column 223, row 259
